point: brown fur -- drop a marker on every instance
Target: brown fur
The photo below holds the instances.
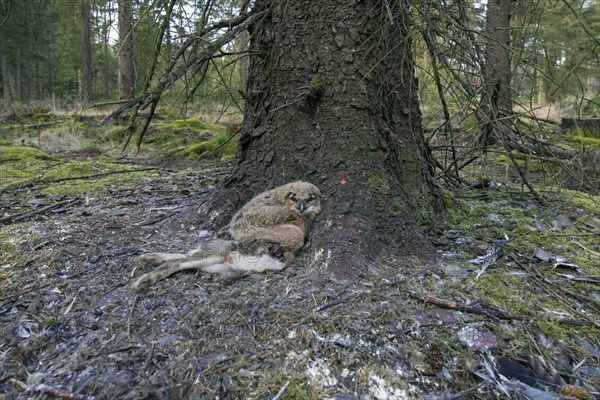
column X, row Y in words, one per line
column 274, row 223
column 279, row 219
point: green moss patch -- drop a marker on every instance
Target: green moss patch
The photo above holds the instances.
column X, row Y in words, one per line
column 587, row 141
column 61, row 177
column 519, row 281
column 22, row 153
column 222, row 147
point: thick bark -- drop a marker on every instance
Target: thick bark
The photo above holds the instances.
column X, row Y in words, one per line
column 332, row 100
column 106, row 73
column 86, row 61
column 4, row 73
column 242, row 45
column 498, row 65
column 126, row 70
column 496, row 100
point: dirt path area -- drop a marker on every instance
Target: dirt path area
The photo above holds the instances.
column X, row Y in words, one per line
column 72, row 328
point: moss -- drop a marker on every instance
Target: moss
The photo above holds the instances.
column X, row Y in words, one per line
column 556, row 328
column 318, row 82
column 455, row 208
column 508, row 292
column 49, row 320
column 193, row 124
column 5, row 142
column 92, row 184
column 48, row 176
column 116, row 134
column 223, row 147
column 587, row 141
column 22, row 153
column 378, row 184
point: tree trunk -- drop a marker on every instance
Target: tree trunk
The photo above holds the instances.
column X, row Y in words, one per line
column 18, row 75
column 242, row 45
column 5, row 75
column 86, row 62
column 498, row 66
column 126, row 71
column 332, row 100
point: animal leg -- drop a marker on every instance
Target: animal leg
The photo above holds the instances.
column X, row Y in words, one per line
column 170, row 267
column 160, row 258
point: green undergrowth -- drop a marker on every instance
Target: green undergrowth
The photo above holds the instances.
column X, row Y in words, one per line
column 186, row 138
column 193, row 139
column 222, row 147
column 566, row 227
column 584, row 140
column 165, row 139
column 21, row 153
column 27, row 169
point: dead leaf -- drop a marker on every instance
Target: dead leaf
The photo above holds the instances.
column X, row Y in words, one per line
column 476, row 340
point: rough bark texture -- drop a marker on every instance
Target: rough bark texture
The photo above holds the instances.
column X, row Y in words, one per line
column 5, row 75
column 331, row 99
column 126, row 71
column 86, row 54
column 498, row 65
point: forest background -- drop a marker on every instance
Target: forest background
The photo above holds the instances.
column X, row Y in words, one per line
column 509, row 96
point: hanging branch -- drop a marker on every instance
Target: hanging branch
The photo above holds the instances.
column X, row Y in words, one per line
column 7, row 14
column 173, row 73
column 157, row 45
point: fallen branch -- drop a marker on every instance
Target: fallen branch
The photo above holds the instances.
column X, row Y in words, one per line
column 56, row 392
column 280, row 393
column 28, row 214
column 36, row 125
column 121, row 171
column 71, row 178
column 543, row 149
column 335, row 302
column 453, row 305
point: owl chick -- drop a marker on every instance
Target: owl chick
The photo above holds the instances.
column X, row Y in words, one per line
column 271, row 226
column 278, row 219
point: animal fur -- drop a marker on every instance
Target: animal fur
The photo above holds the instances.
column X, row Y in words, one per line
column 272, row 225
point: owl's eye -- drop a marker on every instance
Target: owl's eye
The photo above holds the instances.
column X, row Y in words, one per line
column 311, row 198
column 292, row 197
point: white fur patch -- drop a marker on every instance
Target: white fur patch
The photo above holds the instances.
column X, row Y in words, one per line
column 262, row 263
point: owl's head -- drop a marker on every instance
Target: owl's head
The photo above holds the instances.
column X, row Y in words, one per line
column 303, row 198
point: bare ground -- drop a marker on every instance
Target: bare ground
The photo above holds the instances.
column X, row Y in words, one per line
column 70, row 326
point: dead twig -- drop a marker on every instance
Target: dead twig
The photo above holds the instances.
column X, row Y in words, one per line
column 39, row 181
column 29, row 214
column 280, row 393
column 335, row 302
column 56, row 392
column 121, row 171
column 453, row 305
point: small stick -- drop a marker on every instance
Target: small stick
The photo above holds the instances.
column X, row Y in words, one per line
column 120, row 171
column 490, row 312
column 27, row 214
column 56, row 392
column 278, row 395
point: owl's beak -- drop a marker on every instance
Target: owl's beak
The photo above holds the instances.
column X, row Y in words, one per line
column 302, row 206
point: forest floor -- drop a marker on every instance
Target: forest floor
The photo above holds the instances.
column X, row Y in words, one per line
column 510, row 310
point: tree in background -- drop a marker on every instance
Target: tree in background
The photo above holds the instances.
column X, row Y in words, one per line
column 497, row 67
column 126, row 68
column 86, row 54
column 496, row 98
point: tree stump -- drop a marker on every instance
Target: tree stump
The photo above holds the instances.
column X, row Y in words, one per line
column 588, row 126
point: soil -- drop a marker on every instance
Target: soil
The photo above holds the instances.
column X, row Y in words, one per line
column 72, row 328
